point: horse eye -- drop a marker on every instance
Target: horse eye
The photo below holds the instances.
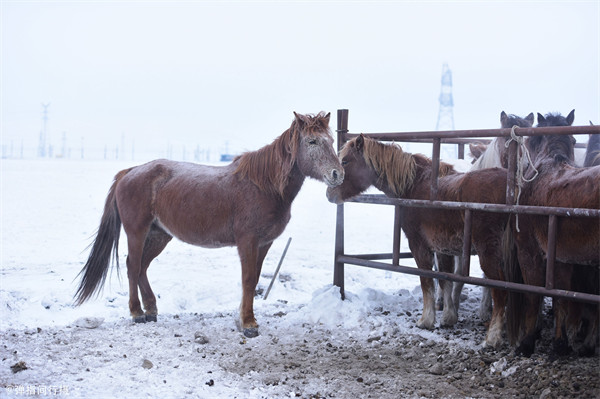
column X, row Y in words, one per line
column 312, row 141
column 344, row 163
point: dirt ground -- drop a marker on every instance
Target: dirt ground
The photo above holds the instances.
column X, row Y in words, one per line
column 195, row 355
column 400, row 365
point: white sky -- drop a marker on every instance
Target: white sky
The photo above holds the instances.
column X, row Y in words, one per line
column 202, row 73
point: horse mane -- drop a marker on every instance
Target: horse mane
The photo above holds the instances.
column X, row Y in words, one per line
column 394, row 166
column 491, row 156
column 270, row 167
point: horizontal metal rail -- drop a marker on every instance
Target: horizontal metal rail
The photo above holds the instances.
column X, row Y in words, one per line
column 590, row 298
column 455, row 134
column 476, row 206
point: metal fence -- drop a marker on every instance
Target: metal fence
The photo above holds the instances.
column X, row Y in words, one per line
column 460, row 138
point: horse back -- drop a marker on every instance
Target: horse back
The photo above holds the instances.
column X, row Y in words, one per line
column 202, row 205
column 442, row 229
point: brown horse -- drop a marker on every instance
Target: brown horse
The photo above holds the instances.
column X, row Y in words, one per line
column 397, row 174
column 245, row 204
column 558, row 183
column 494, row 155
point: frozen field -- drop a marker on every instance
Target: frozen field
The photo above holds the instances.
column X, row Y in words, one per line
column 312, row 344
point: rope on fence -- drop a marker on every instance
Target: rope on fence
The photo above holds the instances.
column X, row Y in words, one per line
column 522, row 153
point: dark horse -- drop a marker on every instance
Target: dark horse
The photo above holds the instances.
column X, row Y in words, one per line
column 558, row 183
column 245, row 204
column 398, row 174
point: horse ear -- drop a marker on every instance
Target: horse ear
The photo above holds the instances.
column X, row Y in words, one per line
column 571, row 117
column 477, row 149
column 541, row 118
column 360, row 142
column 300, row 118
column 529, row 118
column 324, row 120
column 503, row 117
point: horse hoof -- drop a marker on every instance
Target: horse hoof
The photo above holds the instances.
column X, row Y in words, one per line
column 251, row 332
column 525, row 349
column 139, row 319
column 152, row 317
column 561, row 347
column 587, row 351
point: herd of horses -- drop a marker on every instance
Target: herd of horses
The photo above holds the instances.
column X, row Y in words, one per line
column 247, row 204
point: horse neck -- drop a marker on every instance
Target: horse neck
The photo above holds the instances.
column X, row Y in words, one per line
column 411, row 180
column 293, row 186
column 273, row 168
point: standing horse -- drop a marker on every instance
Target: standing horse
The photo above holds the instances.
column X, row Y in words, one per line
column 245, row 204
column 558, row 183
column 397, row 174
column 495, row 155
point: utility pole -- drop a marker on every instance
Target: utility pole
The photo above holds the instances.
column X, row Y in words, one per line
column 43, row 133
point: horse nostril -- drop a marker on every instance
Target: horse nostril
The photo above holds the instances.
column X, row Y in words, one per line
column 335, row 174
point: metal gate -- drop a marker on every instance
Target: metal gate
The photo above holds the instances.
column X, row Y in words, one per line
column 460, row 138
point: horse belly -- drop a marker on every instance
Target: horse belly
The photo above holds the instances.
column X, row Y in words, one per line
column 440, row 229
column 577, row 240
column 206, row 238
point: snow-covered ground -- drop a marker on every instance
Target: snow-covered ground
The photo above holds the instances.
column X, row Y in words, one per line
column 50, row 210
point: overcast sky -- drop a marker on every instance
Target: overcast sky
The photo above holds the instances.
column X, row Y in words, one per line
column 203, row 73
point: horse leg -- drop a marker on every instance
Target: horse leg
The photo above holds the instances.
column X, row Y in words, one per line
column 135, row 246
column 532, row 305
column 449, row 315
column 424, row 259
column 592, row 314
column 156, row 241
column 583, row 318
column 457, row 286
column 262, row 253
column 532, row 268
column 533, row 274
column 494, row 333
column 439, row 297
column 248, row 250
column 485, row 308
column 561, row 309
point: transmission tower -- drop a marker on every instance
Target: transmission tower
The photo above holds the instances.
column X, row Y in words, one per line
column 445, row 119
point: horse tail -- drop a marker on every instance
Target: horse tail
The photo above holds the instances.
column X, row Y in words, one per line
column 94, row 272
column 512, row 273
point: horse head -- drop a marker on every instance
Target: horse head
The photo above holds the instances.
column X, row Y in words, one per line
column 368, row 162
column 559, row 148
column 510, row 120
column 358, row 175
column 312, row 145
